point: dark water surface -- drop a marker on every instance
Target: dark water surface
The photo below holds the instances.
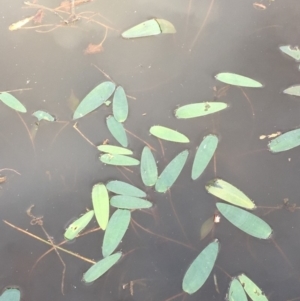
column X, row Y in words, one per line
column 59, row 168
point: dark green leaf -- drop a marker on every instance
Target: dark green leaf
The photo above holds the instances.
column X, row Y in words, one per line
column 94, row 99
column 129, row 202
column 168, row 134
column 115, row 231
column 236, row 291
column 203, row 155
column 119, row 160
column 11, row 294
column 114, row 150
column 101, row 267
column 41, row 115
column 285, row 141
column 120, row 105
column 117, row 130
column 294, row 90
column 237, row 80
column 12, row 102
column 101, row 204
column 292, row 52
column 171, row 172
column 245, row 221
column 119, row 187
column 200, row 269
column 148, row 167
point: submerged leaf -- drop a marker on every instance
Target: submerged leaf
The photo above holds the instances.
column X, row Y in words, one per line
column 11, row 294
column 199, row 109
column 114, row 150
column 119, row 187
column 253, row 291
column 78, row 225
column 94, row 99
column 148, row 167
column 293, row 90
column 115, row 231
column 229, row 193
column 100, row 267
column 117, row 130
column 292, row 52
column 12, row 102
column 245, row 221
column 206, row 227
column 203, row 155
column 237, row 80
column 236, row 291
column 200, row 269
column 171, row 172
column 285, row 141
column 119, row 160
column 101, row 204
column 166, row 26
column 120, row 105
column 41, row 115
column 129, row 202
column 168, row 134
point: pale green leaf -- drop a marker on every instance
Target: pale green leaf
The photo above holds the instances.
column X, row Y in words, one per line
column 171, row 172
column 117, row 130
column 293, row 90
column 237, row 80
column 41, row 115
column 203, row 155
column 12, row 102
column 119, row 160
column 115, row 231
column 148, row 167
column 199, row 109
column 236, row 291
column 292, row 52
column 129, row 202
column 245, row 221
column 200, row 269
column 100, row 267
column 229, row 193
column 100, row 200
column 120, row 105
column 166, row 26
column 168, row 134
column 94, row 99
column 285, row 141
column 119, row 187
column 11, row 294
column 114, row 150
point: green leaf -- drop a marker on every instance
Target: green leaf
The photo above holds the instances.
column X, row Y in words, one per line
column 292, row 52
column 206, row 227
column 199, row 109
column 114, row 150
column 11, row 294
column 78, row 225
column 253, row 291
column 236, row 291
column 129, row 202
column 203, row 155
column 117, row 130
column 200, row 269
column 94, row 99
column 101, row 267
column 285, row 141
column 229, row 193
column 115, row 231
column 41, row 115
column 294, row 90
column 166, row 26
column 245, row 221
column 237, row 80
column 168, row 134
column 119, row 187
column 148, row 167
column 12, row 102
column 118, row 160
column 171, row 172
column 101, row 204
column 120, row 105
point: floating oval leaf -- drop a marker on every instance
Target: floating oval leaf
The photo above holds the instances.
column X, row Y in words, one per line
column 119, row 187
column 285, row 141
column 294, row 90
column 115, row 231
column 171, row 172
column 114, row 150
column 119, row 160
column 203, row 155
column 200, row 269
column 229, row 193
column 100, row 267
column 101, row 204
column 166, row 26
column 120, row 105
column 245, row 221
column 41, row 115
column 12, row 102
column 292, row 52
column 94, row 99
column 253, row 291
column 148, row 167
column 168, row 134
column 117, row 130
column 237, row 80
column 11, row 294
column 199, row 109
column 206, row 227
column 236, row 291
column 129, row 202
column 78, row 225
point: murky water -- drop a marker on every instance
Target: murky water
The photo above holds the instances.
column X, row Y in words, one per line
column 55, row 168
